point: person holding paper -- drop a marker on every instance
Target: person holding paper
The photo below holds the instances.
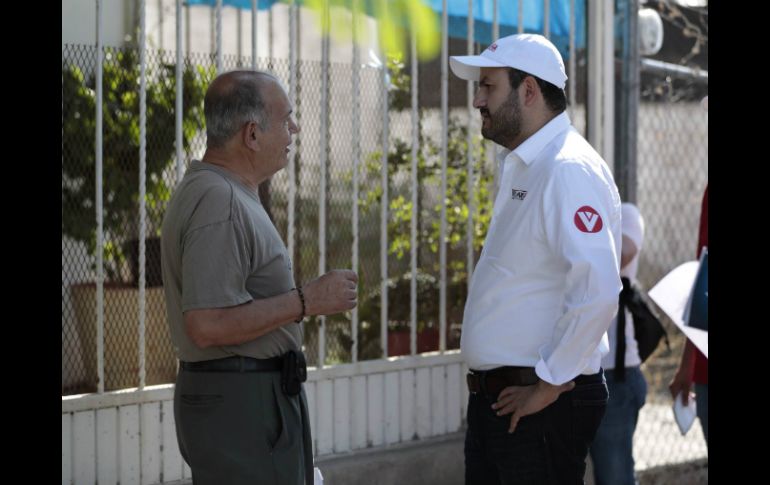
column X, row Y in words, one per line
column 693, row 367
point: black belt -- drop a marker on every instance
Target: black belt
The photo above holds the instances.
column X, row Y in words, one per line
column 491, row 382
column 236, row 363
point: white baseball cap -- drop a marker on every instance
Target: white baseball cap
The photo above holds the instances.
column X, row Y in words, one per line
column 531, row 53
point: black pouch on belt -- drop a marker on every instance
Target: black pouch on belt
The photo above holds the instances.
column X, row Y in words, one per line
column 293, row 372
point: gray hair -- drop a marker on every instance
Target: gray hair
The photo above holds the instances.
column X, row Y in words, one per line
column 233, row 99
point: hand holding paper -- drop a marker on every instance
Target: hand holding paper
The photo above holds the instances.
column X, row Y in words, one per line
column 684, row 414
column 673, row 295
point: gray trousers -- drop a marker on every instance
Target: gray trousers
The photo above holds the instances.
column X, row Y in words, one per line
column 240, row 428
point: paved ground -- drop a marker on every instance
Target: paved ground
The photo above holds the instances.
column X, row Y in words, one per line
column 657, row 440
column 663, row 456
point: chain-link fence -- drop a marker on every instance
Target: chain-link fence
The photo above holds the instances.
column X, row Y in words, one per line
column 120, row 195
column 121, row 206
column 671, row 174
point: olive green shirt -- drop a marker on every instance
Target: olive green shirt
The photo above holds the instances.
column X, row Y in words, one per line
column 220, row 249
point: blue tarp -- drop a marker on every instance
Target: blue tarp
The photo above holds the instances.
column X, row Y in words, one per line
column 508, row 20
column 508, row 13
column 246, row 4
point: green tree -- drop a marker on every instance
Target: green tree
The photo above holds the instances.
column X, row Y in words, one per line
column 399, row 162
column 120, row 112
column 429, row 168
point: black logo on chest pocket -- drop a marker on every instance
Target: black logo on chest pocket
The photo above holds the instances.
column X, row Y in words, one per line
column 518, row 194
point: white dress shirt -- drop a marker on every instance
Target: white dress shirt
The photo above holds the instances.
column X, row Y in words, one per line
column 546, row 286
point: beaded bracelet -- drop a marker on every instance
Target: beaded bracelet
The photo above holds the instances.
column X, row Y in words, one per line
column 301, row 299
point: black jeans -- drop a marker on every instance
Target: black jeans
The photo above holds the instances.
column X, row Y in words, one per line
column 548, row 447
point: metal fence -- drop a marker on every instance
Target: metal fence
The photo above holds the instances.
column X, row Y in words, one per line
column 672, row 172
column 315, row 146
column 121, row 190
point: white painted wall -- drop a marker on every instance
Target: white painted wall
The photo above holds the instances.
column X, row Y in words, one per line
column 78, row 21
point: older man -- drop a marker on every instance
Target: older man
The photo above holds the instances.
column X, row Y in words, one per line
column 233, row 306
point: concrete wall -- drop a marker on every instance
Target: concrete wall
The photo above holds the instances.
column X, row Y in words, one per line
column 78, row 21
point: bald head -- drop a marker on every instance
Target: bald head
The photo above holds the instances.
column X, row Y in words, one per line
column 235, row 98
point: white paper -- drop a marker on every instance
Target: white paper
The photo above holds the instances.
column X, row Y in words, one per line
column 700, row 338
column 684, row 415
column 688, row 305
column 672, row 293
column 318, row 479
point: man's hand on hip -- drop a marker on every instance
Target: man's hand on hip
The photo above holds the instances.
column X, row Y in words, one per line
column 334, row 292
column 525, row 400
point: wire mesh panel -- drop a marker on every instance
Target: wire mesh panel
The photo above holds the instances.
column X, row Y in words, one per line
column 369, row 192
column 121, row 185
column 121, row 211
column 121, row 189
column 308, row 143
column 199, row 71
column 672, row 173
column 78, row 214
column 339, row 231
column 278, row 184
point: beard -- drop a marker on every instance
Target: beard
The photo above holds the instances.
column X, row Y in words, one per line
column 504, row 125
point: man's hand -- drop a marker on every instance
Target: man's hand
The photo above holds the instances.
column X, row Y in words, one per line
column 525, row 400
column 334, row 292
column 681, row 382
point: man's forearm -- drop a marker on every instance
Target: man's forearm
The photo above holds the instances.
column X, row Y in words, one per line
column 236, row 325
column 688, row 357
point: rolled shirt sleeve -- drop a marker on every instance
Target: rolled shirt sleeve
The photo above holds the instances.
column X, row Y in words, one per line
column 582, row 225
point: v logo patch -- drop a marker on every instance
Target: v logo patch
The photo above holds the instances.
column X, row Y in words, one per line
column 588, row 220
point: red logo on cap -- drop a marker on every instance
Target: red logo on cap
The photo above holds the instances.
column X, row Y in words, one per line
column 588, row 220
column 492, row 48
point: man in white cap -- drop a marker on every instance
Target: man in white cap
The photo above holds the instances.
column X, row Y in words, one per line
column 546, row 287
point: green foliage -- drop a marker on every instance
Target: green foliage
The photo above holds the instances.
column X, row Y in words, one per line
column 399, row 291
column 399, row 89
column 429, row 171
column 399, row 162
column 120, row 139
column 395, row 19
